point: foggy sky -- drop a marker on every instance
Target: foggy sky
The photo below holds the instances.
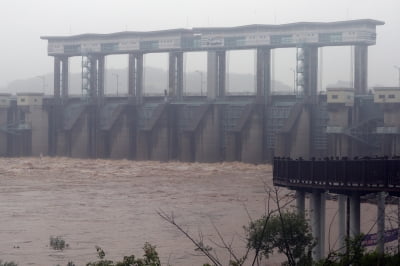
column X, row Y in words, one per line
column 24, row 55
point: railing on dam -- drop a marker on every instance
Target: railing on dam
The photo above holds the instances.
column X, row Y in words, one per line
column 340, row 175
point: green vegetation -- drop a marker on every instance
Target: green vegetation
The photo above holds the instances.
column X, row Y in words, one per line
column 58, row 243
column 150, row 258
column 286, row 232
column 357, row 255
column 7, row 263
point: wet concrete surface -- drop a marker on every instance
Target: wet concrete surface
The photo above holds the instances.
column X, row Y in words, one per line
column 114, row 204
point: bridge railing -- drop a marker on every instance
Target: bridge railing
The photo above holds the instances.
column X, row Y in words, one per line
column 379, row 173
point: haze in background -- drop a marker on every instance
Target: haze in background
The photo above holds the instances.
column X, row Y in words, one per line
column 23, row 55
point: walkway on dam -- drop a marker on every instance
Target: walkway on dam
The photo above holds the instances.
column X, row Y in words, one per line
column 342, row 176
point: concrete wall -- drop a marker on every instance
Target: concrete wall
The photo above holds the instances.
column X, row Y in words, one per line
column 391, row 116
column 38, row 118
column 207, row 137
column 339, row 144
column 62, row 141
column 78, row 141
column 338, row 116
column 3, row 133
column 159, row 140
column 300, row 136
column 119, row 138
column 142, row 145
column 295, row 139
column 252, row 139
column 186, row 146
column 391, row 144
column 233, row 147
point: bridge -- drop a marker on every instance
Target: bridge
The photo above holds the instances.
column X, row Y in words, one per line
column 351, row 178
column 340, row 176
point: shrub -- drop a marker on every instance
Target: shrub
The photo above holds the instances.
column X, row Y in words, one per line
column 11, row 263
column 57, row 243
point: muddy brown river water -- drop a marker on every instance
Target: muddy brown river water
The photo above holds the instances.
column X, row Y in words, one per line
column 113, row 204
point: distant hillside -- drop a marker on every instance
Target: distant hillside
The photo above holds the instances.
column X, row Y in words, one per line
column 155, row 82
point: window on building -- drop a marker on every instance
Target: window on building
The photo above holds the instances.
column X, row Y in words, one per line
column 335, row 96
column 391, row 96
column 381, row 96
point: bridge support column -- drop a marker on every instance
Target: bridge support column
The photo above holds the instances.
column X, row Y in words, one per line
column 263, row 75
column 175, row 77
column 354, row 214
column 323, row 215
column 316, row 223
column 300, row 202
column 135, row 77
column 216, row 74
column 381, row 222
column 360, row 69
column 342, row 220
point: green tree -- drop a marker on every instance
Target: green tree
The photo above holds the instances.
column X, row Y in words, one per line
column 150, row 258
column 285, row 232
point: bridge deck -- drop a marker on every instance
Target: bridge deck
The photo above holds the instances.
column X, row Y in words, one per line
column 342, row 176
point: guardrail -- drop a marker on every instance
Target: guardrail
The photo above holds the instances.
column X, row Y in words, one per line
column 341, row 175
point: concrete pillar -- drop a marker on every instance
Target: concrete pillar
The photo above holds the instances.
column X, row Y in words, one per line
column 311, row 72
column 179, row 70
column 316, row 223
column 381, row 222
column 216, row 73
column 64, row 79
column 139, row 78
column 93, row 76
column 212, row 67
column 221, row 55
column 354, row 214
column 132, row 75
column 135, row 73
column 263, row 75
column 175, row 77
column 300, row 202
column 100, row 78
column 57, row 81
column 172, row 75
column 361, row 69
column 342, row 220
column 323, row 215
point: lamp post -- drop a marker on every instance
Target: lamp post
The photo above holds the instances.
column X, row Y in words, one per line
column 398, row 69
column 201, row 81
column 43, row 78
column 117, row 79
column 294, row 80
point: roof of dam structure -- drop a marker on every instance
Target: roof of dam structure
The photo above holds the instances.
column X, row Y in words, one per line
column 339, row 33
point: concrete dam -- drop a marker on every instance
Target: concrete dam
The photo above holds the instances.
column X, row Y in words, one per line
column 213, row 127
